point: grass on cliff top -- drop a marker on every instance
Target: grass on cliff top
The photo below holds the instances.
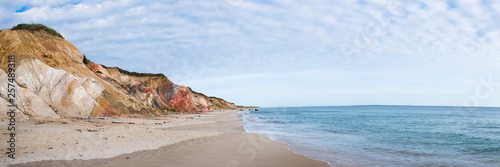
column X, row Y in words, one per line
column 85, row 60
column 204, row 94
column 136, row 73
column 197, row 92
column 37, row 27
column 209, row 97
column 140, row 74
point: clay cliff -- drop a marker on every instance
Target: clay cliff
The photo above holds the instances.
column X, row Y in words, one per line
column 54, row 79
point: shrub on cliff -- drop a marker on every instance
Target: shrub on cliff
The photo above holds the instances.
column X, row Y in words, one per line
column 85, row 60
column 145, row 83
column 170, row 109
column 36, row 27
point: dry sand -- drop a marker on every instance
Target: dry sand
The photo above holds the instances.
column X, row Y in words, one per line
column 209, row 139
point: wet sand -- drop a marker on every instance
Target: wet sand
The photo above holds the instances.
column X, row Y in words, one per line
column 227, row 145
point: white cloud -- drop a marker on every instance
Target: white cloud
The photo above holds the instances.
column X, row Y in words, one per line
column 196, row 42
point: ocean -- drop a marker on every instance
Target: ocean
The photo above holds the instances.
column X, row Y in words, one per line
column 384, row 135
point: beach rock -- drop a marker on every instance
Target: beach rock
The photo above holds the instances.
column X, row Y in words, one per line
column 46, row 86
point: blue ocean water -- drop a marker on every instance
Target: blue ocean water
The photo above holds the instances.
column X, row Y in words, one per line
column 385, row 135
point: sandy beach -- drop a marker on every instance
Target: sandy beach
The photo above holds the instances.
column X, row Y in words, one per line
column 207, row 139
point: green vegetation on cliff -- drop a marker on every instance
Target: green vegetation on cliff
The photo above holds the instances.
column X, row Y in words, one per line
column 85, row 60
column 37, row 27
column 170, row 109
column 135, row 73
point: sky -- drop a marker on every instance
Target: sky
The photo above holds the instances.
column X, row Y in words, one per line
column 290, row 52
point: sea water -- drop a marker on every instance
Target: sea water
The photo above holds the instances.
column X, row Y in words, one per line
column 384, row 135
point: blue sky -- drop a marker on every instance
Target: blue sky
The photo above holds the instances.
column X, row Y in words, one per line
column 290, row 52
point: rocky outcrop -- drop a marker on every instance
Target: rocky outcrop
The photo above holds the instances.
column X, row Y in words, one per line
column 54, row 79
column 49, row 91
column 157, row 91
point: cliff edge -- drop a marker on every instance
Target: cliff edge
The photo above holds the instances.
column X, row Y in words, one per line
column 54, row 79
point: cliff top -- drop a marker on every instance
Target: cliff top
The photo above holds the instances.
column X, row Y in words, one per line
column 137, row 74
column 37, row 27
column 59, row 81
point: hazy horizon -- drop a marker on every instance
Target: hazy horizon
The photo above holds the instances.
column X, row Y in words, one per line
column 354, row 105
column 291, row 53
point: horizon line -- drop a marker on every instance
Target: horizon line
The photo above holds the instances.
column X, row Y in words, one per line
column 383, row 105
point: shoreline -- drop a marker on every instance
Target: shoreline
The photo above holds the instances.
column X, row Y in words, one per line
column 212, row 138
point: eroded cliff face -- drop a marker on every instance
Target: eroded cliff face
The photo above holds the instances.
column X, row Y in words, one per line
column 157, row 91
column 53, row 81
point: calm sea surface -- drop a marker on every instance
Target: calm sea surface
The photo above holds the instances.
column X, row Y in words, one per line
column 385, row 135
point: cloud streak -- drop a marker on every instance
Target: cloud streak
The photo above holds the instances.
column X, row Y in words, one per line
column 287, row 53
